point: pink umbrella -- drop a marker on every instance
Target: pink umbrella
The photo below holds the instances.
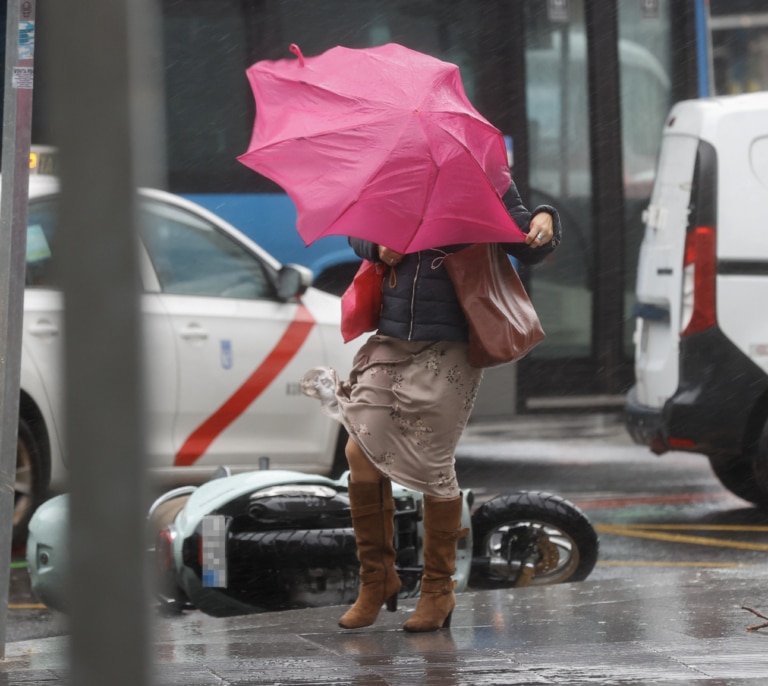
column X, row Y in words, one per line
column 381, row 144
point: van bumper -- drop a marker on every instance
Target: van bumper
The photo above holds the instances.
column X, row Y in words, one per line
column 710, row 412
column 644, row 424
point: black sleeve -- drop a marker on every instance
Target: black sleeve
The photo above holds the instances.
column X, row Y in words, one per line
column 522, row 216
column 365, row 249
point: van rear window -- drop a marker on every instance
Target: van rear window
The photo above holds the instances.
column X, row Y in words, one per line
column 703, row 208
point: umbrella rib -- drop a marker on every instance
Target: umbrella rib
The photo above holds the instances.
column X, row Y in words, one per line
column 431, row 182
column 479, row 119
column 473, row 160
column 430, row 189
column 332, row 131
column 378, row 110
column 379, row 113
column 376, row 172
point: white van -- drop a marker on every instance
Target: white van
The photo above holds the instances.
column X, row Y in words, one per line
column 701, row 340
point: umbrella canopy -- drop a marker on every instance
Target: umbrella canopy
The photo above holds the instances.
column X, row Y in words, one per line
column 382, row 144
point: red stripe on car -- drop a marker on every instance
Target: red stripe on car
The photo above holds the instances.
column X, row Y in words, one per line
column 274, row 363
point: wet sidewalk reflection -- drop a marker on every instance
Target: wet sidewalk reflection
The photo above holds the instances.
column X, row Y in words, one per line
column 676, row 626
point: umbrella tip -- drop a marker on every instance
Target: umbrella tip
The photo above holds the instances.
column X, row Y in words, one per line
column 296, row 50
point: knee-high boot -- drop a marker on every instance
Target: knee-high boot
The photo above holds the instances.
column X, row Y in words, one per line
column 373, row 519
column 442, row 522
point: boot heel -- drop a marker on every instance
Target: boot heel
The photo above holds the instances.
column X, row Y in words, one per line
column 392, row 602
column 447, row 622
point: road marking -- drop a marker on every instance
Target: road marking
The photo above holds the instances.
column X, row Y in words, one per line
column 274, row 363
column 655, row 533
column 26, row 606
column 701, row 527
column 661, row 563
column 671, row 499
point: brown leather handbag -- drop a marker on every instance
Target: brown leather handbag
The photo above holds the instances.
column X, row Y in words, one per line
column 503, row 324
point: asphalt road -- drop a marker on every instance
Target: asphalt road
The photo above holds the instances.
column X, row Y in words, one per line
column 651, row 512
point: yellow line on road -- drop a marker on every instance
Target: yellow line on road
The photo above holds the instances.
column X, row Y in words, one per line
column 699, row 527
column 630, row 531
column 26, row 606
column 661, row 563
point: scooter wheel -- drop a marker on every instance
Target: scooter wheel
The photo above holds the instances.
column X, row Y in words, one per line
column 531, row 538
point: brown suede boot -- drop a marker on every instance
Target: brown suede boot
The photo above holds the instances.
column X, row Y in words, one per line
column 442, row 522
column 373, row 518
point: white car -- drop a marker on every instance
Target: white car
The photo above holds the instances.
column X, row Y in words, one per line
column 228, row 331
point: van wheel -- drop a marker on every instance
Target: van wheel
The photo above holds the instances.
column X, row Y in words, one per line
column 738, row 473
column 31, row 484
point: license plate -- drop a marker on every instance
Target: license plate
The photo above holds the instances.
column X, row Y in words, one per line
column 214, row 555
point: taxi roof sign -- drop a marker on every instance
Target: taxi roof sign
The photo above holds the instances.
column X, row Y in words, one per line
column 43, row 160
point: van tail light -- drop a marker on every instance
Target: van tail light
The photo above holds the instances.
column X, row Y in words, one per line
column 677, row 443
column 699, row 270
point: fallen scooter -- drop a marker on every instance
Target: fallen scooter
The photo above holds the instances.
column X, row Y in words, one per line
column 273, row 540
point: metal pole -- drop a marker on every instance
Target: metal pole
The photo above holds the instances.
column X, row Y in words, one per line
column 107, row 108
column 608, row 223
column 17, row 121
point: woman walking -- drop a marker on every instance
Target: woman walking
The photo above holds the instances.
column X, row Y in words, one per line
column 405, row 406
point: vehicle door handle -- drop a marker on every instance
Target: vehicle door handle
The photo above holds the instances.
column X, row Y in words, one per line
column 44, row 328
column 194, row 332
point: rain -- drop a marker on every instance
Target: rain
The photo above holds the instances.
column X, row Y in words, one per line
column 581, row 92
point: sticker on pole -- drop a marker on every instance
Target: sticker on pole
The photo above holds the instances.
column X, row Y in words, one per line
column 23, row 78
column 26, row 40
column 214, row 551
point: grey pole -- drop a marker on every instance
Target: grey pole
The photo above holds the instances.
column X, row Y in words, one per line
column 107, row 107
column 17, row 120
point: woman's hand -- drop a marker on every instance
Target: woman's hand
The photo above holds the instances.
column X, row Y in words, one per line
column 390, row 257
column 541, row 230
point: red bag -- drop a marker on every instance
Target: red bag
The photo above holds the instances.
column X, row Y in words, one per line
column 361, row 302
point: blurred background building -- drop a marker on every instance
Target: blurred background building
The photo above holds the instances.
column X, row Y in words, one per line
column 581, row 89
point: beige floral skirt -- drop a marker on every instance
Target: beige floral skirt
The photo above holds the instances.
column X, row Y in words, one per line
column 406, row 404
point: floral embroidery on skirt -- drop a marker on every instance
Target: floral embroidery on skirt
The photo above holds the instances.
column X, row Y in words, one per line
column 406, row 404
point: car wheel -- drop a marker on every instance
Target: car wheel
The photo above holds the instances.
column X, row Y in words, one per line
column 740, row 475
column 31, row 486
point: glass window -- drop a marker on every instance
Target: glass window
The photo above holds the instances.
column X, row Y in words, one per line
column 560, row 160
column 644, row 60
column 192, row 257
column 560, row 175
column 41, row 225
column 209, row 44
column 739, row 33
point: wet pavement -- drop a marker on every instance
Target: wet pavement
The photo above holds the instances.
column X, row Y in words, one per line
column 671, row 627
column 674, row 625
